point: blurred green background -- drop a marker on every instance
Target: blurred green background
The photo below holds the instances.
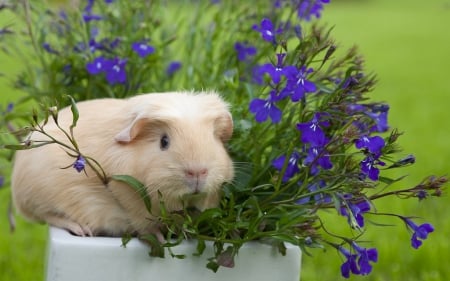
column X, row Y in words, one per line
column 407, row 44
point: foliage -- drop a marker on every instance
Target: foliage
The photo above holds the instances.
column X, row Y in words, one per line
column 307, row 137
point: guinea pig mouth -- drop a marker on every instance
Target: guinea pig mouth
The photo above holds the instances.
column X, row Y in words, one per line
column 195, row 186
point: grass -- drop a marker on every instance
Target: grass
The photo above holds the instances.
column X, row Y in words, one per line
column 405, row 43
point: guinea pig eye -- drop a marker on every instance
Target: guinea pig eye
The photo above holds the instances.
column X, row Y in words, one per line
column 164, row 142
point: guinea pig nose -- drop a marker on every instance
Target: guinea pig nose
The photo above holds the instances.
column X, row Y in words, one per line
column 196, row 173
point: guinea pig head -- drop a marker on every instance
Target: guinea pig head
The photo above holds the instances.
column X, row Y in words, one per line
column 179, row 144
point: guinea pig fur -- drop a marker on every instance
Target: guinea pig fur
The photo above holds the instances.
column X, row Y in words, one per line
column 172, row 142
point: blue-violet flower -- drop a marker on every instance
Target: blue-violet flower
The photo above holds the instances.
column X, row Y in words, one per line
column 79, row 163
column 264, row 109
column 267, row 30
column 420, row 232
column 142, row 49
column 292, row 166
column 244, row 50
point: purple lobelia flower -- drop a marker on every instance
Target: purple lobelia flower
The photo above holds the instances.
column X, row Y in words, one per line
column 350, row 265
column 318, row 198
column 142, row 48
column 312, row 132
column 297, row 84
column 292, row 166
column 365, row 256
column 244, row 50
column 317, row 156
column 9, row 107
column 115, row 71
column 113, row 68
column 419, row 232
column 47, row 47
column 97, row 66
column 264, row 109
column 88, row 15
column 369, row 166
column 379, row 113
column 79, row 164
column 173, row 67
column 308, row 8
column 275, row 71
column 355, row 211
column 267, row 30
column 373, row 144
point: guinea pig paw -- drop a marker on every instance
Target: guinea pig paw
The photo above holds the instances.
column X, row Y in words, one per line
column 71, row 226
column 80, row 230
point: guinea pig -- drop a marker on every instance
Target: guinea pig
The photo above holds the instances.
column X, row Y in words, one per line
column 174, row 143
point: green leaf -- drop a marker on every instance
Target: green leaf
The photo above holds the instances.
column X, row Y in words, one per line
column 157, row 249
column 212, row 265
column 390, row 181
column 137, row 186
column 281, row 248
column 75, row 112
column 174, row 255
column 24, row 146
column 201, row 246
column 125, row 239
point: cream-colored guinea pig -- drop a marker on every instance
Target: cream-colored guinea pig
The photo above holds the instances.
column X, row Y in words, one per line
column 171, row 142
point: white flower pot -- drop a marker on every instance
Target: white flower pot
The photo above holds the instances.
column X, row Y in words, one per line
column 103, row 258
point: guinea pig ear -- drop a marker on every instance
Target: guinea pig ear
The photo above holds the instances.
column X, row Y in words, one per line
column 223, row 127
column 130, row 132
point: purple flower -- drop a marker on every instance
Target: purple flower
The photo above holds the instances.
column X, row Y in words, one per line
column 2, row 180
column 93, row 45
column 173, row 67
column 420, row 232
column 422, row 194
column 368, row 166
column 358, row 262
column 356, row 212
column 267, row 30
column 373, row 144
column 88, row 15
column 350, row 264
column 244, row 50
column 307, row 8
column 319, row 198
column 365, row 257
column 297, row 84
column 89, row 5
column 142, row 49
column 9, row 107
column 115, row 71
column 352, row 81
column 49, row 48
column 275, row 71
column 79, row 164
column 379, row 114
column 317, row 156
column 292, row 166
column 312, row 132
column 264, row 109
column 97, row 66
column 409, row 159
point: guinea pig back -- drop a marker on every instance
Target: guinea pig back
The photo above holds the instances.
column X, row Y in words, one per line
column 171, row 142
